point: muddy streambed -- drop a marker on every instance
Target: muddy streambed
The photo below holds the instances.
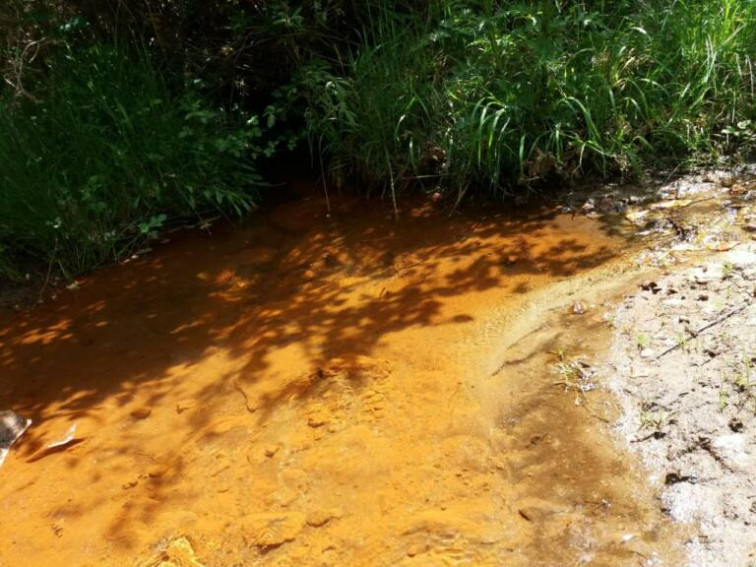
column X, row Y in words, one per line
column 343, row 390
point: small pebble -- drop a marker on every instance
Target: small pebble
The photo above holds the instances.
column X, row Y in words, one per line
column 141, row 413
column 416, row 549
column 156, row 471
column 317, row 420
column 319, row 518
column 271, row 451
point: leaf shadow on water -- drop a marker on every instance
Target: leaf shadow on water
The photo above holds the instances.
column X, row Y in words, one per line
column 331, row 288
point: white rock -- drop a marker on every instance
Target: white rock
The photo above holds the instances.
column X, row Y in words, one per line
column 740, row 259
column 710, row 273
column 732, row 449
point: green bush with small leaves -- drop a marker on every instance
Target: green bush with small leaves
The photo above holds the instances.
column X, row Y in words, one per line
column 106, row 153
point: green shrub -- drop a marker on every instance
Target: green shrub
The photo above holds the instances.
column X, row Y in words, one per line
column 106, row 153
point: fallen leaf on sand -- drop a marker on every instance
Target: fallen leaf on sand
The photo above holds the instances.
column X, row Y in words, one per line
column 68, row 440
column 722, row 246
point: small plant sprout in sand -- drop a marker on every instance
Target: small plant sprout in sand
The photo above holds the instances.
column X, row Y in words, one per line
column 724, row 399
column 727, row 270
column 683, row 342
column 611, row 319
column 641, row 341
column 744, row 385
column 654, row 419
column 574, row 376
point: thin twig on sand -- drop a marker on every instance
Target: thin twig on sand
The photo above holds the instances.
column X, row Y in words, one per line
column 249, row 407
column 709, row 325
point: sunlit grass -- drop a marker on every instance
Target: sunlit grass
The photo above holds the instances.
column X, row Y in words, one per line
column 508, row 96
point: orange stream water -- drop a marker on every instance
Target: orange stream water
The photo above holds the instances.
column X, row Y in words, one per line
column 340, row 391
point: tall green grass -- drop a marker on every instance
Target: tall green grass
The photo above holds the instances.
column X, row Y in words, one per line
column 451, row 95
column 512, row 95
column 373, row 117
column 105, row 154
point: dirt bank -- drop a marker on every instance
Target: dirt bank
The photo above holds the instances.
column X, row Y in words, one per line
column 686, row 362
column 331, row 391
column 683, row 368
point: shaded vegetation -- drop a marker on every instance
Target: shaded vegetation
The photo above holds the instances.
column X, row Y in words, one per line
column 108, row 152
column 122, row 116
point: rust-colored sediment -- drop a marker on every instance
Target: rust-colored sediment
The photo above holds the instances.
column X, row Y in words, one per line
column 325, row 391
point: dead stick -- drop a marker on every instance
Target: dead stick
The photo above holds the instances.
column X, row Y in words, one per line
column 716, row 321
column 247, row 405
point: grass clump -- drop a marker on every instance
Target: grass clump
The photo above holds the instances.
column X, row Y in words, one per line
column 103, row 151
column 510, row 95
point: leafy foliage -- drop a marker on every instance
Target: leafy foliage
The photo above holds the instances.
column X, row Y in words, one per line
column 107, row 154
column 106, row 144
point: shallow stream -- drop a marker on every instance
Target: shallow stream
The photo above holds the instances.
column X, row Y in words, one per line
column 330, row 390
